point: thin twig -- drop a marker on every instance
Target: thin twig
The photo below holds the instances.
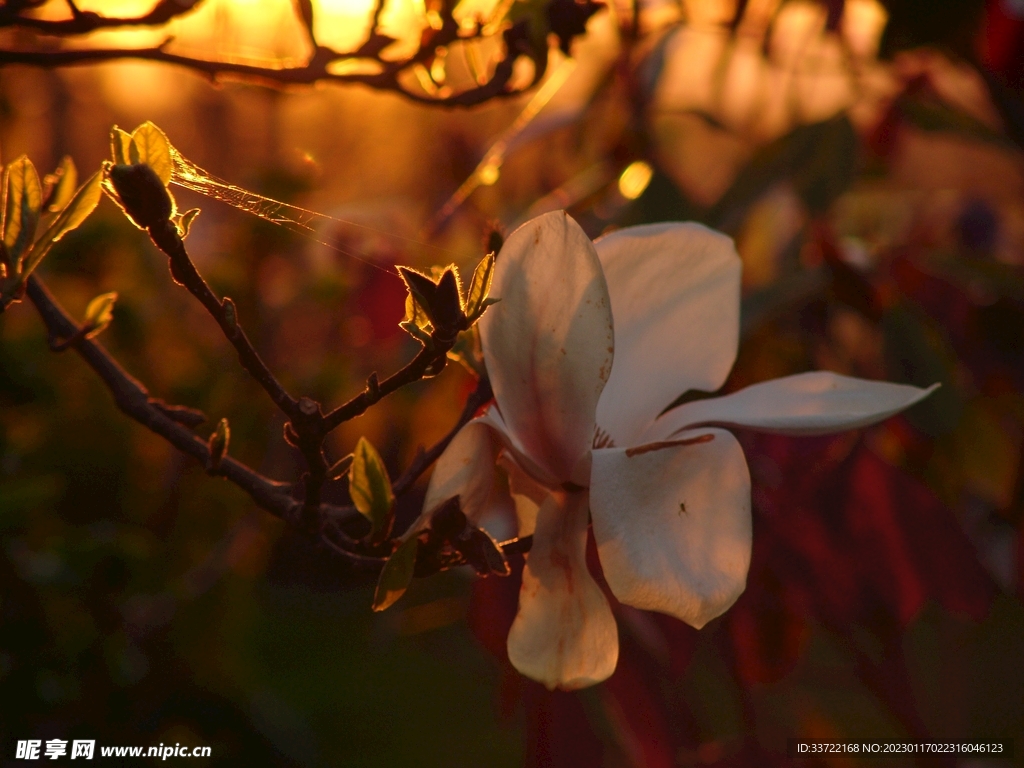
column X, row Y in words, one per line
column 413, row 371
column 132, row 398
column 169, row 241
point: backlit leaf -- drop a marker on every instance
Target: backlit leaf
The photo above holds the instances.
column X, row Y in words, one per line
column 120, row 141
column 369, row 485
column 75, row 212
column 185, row 221
column 479, row 287
column 99, row 313
column 23, row 197
column 60, row 185
column 396, row 575
column 149, row 145
column 421, row 289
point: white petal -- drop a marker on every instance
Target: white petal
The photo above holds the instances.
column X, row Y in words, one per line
column 466, row 470
column 527, row 494
column 564, row 634
column 675, row 291
column 492, row 417
column 814, row 403
column 548, row 342
column 673, row 526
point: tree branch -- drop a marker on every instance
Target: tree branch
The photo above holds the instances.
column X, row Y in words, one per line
column 319, row 67
column 84, row 22
column 131, row 397
column 414, row 370
column 184, row 271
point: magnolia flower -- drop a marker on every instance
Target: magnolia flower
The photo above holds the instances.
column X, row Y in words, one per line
column 583, row 440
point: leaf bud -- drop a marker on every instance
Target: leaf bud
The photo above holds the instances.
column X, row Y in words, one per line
column 142, row 194
column 493, row 239
column 98, row 314
column 230, row 314
column 372, row 388
column 218, row 444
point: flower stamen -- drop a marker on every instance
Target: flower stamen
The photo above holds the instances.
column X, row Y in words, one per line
column 641, row 449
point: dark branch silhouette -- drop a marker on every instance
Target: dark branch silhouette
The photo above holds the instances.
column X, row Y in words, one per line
column 376, row 70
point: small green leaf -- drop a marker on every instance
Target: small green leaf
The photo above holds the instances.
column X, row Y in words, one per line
column 448, row 312
column 484, row 554
column 414, row 313
column 60, row 185
column 467, row 351
column 99, row 313
column 75, row 212
column 23, row 198
column 479, row 287
column 416, row 332
column 421, row 289
column 396, row 575
column 184, row 222
column 149, row 145
column 369, row 485
column 120, row 141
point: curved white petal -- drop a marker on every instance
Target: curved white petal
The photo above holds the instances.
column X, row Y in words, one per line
column 466, row 470
column 492, row 417
column 527, row 494
column 548, row 342
column 814, row 403
column 673, row 526
column 675, row 291
column 564, row 634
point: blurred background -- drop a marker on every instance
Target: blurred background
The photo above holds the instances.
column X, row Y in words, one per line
column 865, row 156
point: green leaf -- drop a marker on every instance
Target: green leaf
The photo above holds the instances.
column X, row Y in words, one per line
column 421, row 289
column 60, row 185
column 99, row 313
column 184, row 222
column 479, row 287
column 415, row 314
column 23, row 198
column 149, row 145
column 120, row 141
column 75, row 212
column 448, row 312
column 396, row 575
column 417, row 333
column 369, row 485
column 467, row 351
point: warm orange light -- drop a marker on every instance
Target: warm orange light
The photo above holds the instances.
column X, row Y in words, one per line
column 634, row 179
column 342, row 24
